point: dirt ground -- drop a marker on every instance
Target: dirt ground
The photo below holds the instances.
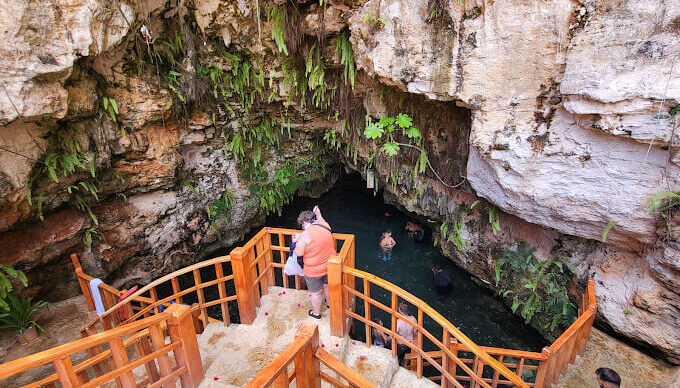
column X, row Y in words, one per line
column 635, row 368
column 62, row 322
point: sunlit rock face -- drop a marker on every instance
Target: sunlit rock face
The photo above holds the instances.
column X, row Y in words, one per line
column 569, row 122
column 556, row 112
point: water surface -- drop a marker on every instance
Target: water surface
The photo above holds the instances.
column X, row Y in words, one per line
column 350, row 208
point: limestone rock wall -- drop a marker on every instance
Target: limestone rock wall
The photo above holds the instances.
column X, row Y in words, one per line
column 553, row 111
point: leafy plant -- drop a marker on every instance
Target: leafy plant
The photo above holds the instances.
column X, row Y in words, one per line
column 373, row 20
column 536, row 287
column 453, row 234
column 494, row 221
column 606, row 230
column 20, row 314
column 110, row 106
column 665, row 204
column 277, row 16
column 8, row 273
column 315, row 73
column 343, row 47
column 220, row 209
column 241, row 80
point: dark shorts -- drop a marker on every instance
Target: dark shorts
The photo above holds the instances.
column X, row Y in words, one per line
column 315, row 285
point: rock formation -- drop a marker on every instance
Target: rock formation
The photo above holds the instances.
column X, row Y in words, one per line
column 555, row 112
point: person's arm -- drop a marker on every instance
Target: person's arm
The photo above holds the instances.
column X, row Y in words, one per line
column 393, row 242
column 319, row 217
column 301, row 244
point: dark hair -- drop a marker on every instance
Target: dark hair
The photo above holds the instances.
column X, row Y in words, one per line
column 306, row 216
column 436, row 268
column 403, row 308
column 608, row 375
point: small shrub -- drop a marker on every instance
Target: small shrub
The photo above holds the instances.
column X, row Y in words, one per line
column 665, row 204
column 20, row 314
column 536, row 287
column 7, row 274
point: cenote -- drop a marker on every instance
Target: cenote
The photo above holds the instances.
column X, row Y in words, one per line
column 351, row 208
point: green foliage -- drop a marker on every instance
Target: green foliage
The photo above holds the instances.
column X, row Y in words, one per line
column 20, row 313
column 277, row 191
column 453, row 234
column 373, row 20
column 7, row 274
column 241, row 79
column 110, row 106
column 90, row 235
column 494, row 221
column 606, row 230
column 537, row 287
column 627, row 312
column 674, row 110
column 315, row 73
column 343, row 47
column 220, row 208
column 173, row 83
column 277, row 16
column 665, row 204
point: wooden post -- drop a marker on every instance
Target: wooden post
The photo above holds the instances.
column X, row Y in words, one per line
column 120, row 360
column 336, row 294
column 84, row 284
column 181, row 329
column 452, row 366
column 307, row 366
column 67, row 376
column 244, row 286
column 543, row 369
column 281, row 381
column 268, row 258
column 158, row 342
column 219, row 273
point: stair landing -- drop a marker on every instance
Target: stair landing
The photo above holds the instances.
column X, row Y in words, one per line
column 233, row 355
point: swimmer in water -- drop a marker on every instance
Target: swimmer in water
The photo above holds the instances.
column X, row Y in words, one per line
column 386, row 245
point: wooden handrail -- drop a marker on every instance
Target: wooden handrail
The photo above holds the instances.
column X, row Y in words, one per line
column 254, row 265
column 440, row 320
column 151, row 304
column 183, row 344
column 307, row 355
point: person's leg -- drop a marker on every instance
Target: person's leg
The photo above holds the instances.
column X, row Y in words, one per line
column 315, row 285
column 317, row 298
column 325, row 291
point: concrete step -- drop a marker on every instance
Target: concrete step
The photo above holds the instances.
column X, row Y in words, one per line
column 233, row 355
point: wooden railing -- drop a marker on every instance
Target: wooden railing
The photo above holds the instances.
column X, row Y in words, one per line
column 259, row 264
column 306, row 356
column 450, row 361
column 158, row 361
column 536, row 369
column 186, row 285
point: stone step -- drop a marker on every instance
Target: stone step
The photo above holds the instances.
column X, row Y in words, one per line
column 233, row 355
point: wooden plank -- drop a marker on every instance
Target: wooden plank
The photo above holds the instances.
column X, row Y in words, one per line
column 283, row 257
column 201, row 296
column 158, row 342
column 181, row 330
column 367, row 310
column 307, row 366
column 222, row 289
column 84, row 283
column 243, row 285
column 337, row 366
column 120, row 360
column 268, row 259
column 419, row 343
column 151, row 369
column 335, row 293
column 67, row 376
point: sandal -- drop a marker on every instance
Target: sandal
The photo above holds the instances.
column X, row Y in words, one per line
column 311, row 314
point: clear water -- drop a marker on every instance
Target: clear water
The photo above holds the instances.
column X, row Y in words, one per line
column 350, row 208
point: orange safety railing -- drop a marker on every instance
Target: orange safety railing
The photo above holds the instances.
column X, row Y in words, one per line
column 259, row 264
column 156, row 360
column 306, row 356
column 174, row 288
column 537, row 369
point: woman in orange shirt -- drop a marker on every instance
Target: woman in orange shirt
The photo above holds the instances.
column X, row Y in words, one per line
column 316, row 246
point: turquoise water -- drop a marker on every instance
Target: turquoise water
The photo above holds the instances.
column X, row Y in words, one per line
column 350, row 208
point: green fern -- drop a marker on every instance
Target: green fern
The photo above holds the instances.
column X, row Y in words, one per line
column 277, row 16
column 7, row 274
column 19, row 315
column 343, row 47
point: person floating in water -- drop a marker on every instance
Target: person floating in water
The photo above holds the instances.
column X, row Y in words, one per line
column 416, row 232
column 442, row 281
column 386, row 245
column 608, row 378
column 380, row 338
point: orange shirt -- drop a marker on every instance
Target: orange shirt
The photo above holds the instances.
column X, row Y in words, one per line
column 318, row 251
